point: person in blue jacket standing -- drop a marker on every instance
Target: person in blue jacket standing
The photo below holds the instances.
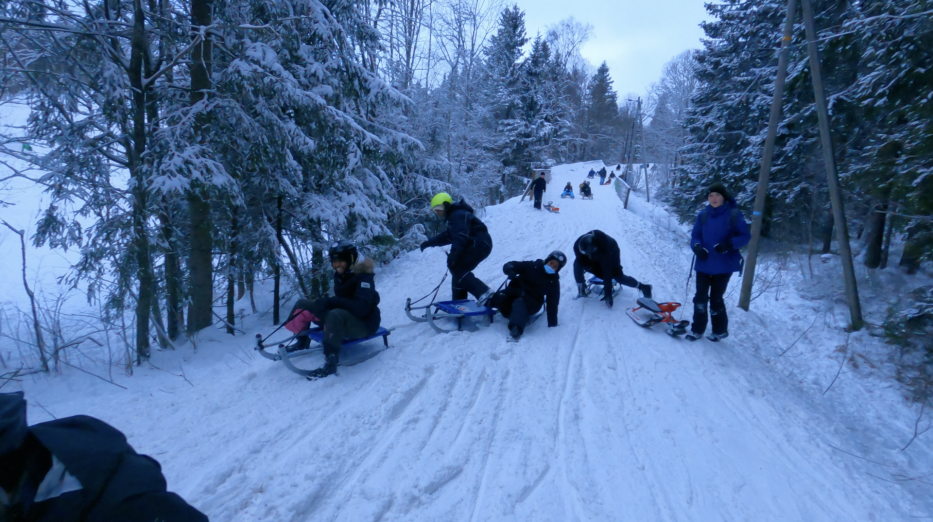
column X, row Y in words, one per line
column 718, row 234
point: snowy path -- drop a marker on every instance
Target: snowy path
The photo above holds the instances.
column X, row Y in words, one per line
column 595, row 420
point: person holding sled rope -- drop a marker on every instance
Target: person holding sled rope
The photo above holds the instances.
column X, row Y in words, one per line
column 532, row 284
column 469, row 242
column 351, row 313
column 720, row 230
column 599, row 254
column 538, row 187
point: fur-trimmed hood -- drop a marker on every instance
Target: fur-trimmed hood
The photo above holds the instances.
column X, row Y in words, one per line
column 364, row 266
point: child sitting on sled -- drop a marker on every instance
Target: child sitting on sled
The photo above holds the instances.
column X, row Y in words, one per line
column 568, row 191
column 532, row 284
column 585, row 190
column 351, row 313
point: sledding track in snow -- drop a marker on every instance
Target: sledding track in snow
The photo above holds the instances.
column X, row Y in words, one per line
column 597, row 419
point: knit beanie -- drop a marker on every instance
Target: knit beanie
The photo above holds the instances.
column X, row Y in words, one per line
column 720, row 189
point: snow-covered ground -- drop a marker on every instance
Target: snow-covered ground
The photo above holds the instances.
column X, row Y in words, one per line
column 597, row 419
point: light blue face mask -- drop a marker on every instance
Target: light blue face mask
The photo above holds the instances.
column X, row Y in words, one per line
column 548, row 269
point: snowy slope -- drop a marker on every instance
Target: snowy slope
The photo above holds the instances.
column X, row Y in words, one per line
column 597, row 419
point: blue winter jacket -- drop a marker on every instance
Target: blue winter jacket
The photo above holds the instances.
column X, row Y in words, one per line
column 714, row 231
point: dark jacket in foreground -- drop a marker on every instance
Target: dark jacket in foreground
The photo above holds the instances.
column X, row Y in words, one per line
column 464, row 230
column 530, row 281
column 355, row 292
column 718, row 228
column 98, row 477
column 605, row 261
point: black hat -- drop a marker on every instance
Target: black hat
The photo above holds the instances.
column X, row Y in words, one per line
column 559, row 257
column 720, row 189
column 542, row 173
column 586, row 244
column 13, row 428
column 344, row 250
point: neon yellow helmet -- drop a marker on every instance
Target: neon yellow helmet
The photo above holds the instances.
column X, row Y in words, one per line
column 440, row 199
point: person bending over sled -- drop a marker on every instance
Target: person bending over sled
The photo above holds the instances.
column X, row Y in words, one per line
column 585, row 190
column 469, row 242
column 720, row 230
column 351, row 313
column 598, row 254
column 568, row 191
column 531, row 285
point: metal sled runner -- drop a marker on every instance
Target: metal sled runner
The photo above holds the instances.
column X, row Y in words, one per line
column 458, row 310
column 597, row 287
column 649, row 313
column 317, row 334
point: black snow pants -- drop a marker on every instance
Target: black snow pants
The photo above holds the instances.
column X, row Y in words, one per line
column 710, row 289
column 617, row 274
column 463, row 282
column 538, row 196
column 518, row 309
column 339, row 324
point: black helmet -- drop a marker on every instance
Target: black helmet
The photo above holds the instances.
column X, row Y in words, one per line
column 586, row 244
column 344, row 250
column 559, row 256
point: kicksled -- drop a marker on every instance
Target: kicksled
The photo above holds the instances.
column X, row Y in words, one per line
column 649, row 313
column 352, row 352
column 443, row 312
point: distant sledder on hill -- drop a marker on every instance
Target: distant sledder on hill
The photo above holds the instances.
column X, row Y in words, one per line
column 568, row 191
column 531, row 286
column 351, row 316
column 586, row 192
column 598, row 254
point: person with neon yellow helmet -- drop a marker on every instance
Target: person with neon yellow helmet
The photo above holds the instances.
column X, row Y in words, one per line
column 469, row 242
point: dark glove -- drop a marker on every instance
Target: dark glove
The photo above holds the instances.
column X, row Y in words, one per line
column 702, row 253
column 424, row 245
column 509, row 270
column 724, row 246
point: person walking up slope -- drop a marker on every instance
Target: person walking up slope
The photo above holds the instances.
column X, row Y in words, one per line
column 469, row 242
column 598, row 254
column 532, row 284
column 720, row 230
column 538, row 186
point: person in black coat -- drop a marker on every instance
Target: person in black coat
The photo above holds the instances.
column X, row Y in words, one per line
column 351, row 313
column 78, row 469
column 470, row 243
column 598, row 254
column 532, row 284
column 538, row 187
column 602, row 176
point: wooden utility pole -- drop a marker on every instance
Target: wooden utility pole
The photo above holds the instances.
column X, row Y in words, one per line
column 765, row 172
column 832, row 177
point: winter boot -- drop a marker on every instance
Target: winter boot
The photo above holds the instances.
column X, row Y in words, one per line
column 301, row 343
column 484, row 299
column 645, row 290
column 515, row 332
column 582, row 291
column 717, row 337
column 693, row 336
column 329, row 368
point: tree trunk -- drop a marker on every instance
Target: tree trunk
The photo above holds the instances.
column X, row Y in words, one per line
column 887, row 237
column 200, row 261
column 231, row 272
column 874, row 237
column 240, row 284
column 913, row 249
column 276, row 264
column 250, row 285
column 138, row 61
column 172, row 310
column 826, row 234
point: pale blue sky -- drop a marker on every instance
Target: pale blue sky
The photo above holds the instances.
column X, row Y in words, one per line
column 635, row 39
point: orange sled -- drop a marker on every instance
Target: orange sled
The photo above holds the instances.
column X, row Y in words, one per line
column 649, row 313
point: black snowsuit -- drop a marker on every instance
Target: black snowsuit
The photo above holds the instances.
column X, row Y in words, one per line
column 602, row 176
column 605, row 263
column 529, row 286
column 95, row 476
column 470, row 244
column 351, row 313
column 538, row 186
column 585, row 190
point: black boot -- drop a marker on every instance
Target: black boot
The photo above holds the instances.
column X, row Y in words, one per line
column 515, row 332
column 301, row 343
column 329, row 368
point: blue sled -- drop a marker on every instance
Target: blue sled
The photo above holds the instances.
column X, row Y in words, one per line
column 458, row 310
column 317, row 334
